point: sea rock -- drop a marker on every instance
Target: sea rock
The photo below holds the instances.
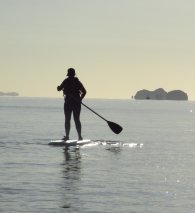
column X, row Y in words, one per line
column 177, row 95
column 9, row 94
column 160, row 94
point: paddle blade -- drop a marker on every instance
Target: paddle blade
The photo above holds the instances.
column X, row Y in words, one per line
column 114, row 127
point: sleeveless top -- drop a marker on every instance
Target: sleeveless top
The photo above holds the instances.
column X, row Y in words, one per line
column 72, row 87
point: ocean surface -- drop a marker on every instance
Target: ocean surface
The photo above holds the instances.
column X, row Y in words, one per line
column 154, row 174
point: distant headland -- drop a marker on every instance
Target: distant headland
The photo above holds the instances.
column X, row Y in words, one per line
column 161, row 94
column 9, row 94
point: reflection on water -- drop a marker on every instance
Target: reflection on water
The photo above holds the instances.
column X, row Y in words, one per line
column 71, row 174
column 114, row 149
column 72, row 165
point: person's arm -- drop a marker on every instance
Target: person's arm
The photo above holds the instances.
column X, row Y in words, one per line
column 83, row 92
column 59, row 88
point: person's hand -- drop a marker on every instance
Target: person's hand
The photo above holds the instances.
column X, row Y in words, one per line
column 58, row 88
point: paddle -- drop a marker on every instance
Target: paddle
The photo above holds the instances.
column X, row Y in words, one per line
column 113, row 126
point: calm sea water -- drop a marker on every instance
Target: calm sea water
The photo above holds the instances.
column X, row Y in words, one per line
column 158, row 177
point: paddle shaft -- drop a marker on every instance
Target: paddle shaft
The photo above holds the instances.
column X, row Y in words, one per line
column 113, row 126
column 94, row 112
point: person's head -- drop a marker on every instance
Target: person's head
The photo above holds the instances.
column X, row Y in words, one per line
column 71, row 72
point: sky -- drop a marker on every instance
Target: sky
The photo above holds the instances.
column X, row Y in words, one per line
column 117, row 47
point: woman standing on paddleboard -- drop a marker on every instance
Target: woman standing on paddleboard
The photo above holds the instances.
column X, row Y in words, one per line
column 74, row 92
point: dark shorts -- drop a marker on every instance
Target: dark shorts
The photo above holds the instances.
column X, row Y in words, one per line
column 71, row 106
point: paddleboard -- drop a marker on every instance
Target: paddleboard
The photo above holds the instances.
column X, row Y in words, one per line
column 69, row 143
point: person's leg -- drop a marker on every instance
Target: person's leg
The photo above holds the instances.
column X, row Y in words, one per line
column 67, row 113
column 76, row 114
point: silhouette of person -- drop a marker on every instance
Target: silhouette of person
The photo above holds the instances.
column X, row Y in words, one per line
column 74, row 92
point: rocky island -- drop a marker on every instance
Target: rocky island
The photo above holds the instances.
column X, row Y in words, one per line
column 9, row 94
column 161, row 94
